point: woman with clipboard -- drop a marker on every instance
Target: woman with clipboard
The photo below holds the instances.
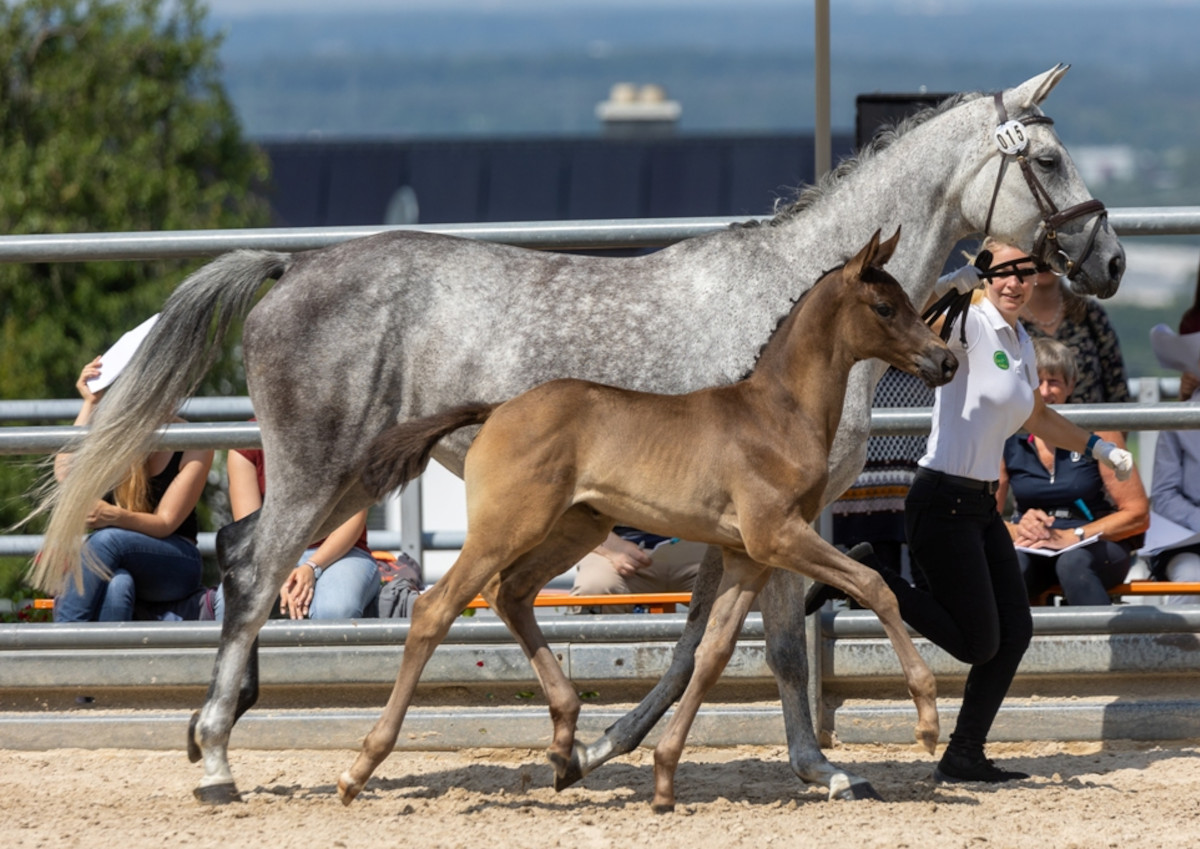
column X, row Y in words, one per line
column 1075, row 524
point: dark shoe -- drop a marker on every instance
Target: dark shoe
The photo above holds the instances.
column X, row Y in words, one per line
column 820, row 593
column 958, row 767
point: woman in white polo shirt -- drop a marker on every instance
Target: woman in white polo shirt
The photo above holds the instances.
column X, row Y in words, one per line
column 976, row 607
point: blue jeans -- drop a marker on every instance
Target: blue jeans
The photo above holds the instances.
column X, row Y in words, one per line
column 144, row 568
column 345, row 590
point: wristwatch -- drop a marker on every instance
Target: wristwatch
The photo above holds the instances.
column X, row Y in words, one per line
column 316, row 570
column 1079, row 533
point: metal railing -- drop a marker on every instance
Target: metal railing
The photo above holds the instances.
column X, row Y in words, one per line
column 232, row 431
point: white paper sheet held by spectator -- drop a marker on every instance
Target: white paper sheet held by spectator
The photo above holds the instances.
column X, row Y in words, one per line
column 114, row 360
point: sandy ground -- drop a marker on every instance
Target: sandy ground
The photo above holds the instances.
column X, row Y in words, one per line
column 1122, row 795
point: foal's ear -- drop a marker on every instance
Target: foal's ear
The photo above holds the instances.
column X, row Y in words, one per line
column 886, row 250
column 864, row 259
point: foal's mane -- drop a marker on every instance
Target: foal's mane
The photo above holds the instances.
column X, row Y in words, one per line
column 805, row 197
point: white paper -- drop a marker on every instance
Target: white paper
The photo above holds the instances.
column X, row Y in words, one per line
column 1054, row 552
column 1180, row 353
column 114, row 360
column 1163, row 534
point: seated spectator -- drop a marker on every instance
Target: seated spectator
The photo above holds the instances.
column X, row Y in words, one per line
column 631, row 561
column 143, row 534
column 1175, row 492
column 1063, row 498
column 336, row 578
column 1053, row 311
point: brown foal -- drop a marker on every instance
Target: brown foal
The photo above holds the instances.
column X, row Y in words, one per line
column 741, row 466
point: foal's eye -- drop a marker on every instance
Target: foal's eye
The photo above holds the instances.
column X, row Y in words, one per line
column 884, row 310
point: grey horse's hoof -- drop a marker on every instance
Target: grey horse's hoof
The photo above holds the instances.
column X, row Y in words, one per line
column 217, row 794
column 856, row 792
column 567, row 772
column 193, row 748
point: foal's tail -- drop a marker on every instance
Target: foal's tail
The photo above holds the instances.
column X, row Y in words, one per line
column 402, row 451
column 166, row 369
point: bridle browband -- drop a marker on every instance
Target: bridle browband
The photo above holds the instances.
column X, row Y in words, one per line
column 1012, row 141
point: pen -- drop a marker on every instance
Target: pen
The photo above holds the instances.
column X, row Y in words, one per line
column 1084, row 509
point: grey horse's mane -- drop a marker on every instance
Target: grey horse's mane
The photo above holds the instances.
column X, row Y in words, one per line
column 807, row 196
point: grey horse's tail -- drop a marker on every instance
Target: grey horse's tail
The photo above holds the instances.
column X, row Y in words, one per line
column 166, row 369
column 402, row 451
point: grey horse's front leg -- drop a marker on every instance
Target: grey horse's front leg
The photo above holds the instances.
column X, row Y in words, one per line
column 626, row 733
column 782, row 603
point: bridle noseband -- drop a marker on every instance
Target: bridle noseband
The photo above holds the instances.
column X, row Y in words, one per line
column 1012, row 140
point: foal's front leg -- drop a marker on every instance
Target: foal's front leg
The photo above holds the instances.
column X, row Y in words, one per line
column 740, row 585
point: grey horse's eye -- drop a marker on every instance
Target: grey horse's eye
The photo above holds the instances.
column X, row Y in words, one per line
column 1049, row 163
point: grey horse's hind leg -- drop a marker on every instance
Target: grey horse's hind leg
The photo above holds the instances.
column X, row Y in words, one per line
column 782, row 604
column 627, row 732
column 230, row 539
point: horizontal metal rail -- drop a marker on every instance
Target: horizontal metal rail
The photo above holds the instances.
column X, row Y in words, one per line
column 550, row 235
column 890, row 421
column 239, row 408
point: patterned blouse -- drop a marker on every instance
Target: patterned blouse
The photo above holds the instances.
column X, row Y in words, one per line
column 1086, row 330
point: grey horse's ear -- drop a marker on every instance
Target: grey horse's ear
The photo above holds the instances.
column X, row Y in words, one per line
column 1033, row 91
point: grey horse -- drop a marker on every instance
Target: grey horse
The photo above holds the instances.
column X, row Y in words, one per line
column 404, row 324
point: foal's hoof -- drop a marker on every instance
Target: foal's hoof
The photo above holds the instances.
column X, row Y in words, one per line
column 193, row 748
column 567, row 772
column 856, row 793
column 217, row 794
column 663, row 807
column 348, row 788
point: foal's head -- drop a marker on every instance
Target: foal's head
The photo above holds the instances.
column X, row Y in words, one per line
column 876, row 318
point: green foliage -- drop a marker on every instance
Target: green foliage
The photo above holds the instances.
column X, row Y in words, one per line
column 113, row 118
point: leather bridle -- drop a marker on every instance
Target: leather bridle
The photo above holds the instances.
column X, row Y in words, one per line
column 1013, row 141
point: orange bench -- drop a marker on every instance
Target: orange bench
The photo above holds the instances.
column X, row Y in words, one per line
column 653, row 602
column 1136, row 588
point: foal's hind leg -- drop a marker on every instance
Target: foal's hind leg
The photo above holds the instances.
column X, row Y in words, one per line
column 433, row 614
column 740, row 585
column 626, row 733
column 511, row 594
column 791, row 543
column 782, row 605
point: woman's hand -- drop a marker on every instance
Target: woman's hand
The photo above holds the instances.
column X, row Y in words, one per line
column 104, row 515
column 90, row 372
column 1056, row 538
column 297, row 592
column 626, row 557
column 1035, row 526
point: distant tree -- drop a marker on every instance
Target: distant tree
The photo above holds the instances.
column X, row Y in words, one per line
column 113, row 117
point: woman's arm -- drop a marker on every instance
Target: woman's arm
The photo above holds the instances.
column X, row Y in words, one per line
column 177, row 502
column 295, row 597
column 62, row 462
column 1052, row 427
column 1168, row 494
column 1132, row 515
column 244, row 495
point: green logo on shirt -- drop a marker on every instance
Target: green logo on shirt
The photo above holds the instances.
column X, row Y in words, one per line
column 1001, row 359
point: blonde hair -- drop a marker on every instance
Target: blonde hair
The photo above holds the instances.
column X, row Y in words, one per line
column 133, row 493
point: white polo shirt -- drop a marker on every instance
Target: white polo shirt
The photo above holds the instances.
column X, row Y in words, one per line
column 988, row 400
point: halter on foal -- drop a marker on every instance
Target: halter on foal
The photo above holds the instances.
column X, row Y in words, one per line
column 740, row 466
